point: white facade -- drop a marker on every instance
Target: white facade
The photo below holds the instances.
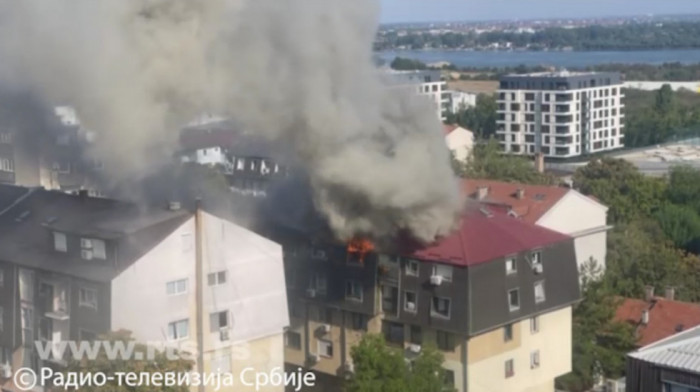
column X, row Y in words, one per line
column 207, row 156
column 460, row 141
column 573, row 121
column 584, row 219
column 459, row 101
column 244, row 296
column 426, row 83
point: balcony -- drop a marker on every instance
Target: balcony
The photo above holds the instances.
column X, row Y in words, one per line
column 562, row 108
column 564, row 119
column 54, row 298
column 563, row 129
column 564, row 98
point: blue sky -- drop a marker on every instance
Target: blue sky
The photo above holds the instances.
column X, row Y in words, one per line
column 450, row 10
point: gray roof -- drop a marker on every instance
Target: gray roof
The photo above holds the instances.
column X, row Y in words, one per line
column 26, row 226
column 680, row 351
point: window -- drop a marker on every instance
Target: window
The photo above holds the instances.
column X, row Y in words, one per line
column 390, row 299
column 513, row 300
column 510, row 368
column 410, row 301
column 6, row 165
column 443, row 270
column 59, row 242
column 412, row 267
column 319, row 283
column 353, row 290
column 358, row 322
column 92, row 249
column 218, row 321
column 535, row 324
column 293, row 340
column 445, row 341
column 179, row 330
column 539, row 292
column 536, row 258
column 508, row 333
column 535, row 359
column 416, row 335
column 216, row 278
column 325, row 348
column 511, row 266
column 87, row 298
column 393, row 332
column 441, row 307
column 176, row 287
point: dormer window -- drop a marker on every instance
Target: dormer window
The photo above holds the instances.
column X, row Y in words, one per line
column 91, row 248
column 60, row 244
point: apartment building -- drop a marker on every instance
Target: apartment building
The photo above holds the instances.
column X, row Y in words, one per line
column 495, row 297
column 460, row 141
column 424, row 83
column 249, row 162
column 560, row 114
column 557, row 208
column 44, row 149
column 73, row 267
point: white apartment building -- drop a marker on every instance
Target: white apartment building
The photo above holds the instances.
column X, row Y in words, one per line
column 459, row 100
column 427, row 83
column 560, row 114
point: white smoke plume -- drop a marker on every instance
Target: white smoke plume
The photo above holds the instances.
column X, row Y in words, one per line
column 295, row 71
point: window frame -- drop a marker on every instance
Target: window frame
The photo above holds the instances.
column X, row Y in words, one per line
column 508, row 333
column 445, row 267
column 217, row 278
column 174, row 324
column 287, row 341
column 445, row 341
column 175, row 292
column 534, row 359
column 408, row 271
column 511, row 307
column 543, row 298
column 60, row 237
column 514, row 270
column 354, row 284
column 406, row 302
column 435, row 313
column 535, row 324
column 85, row 304
column 325, row 343
column 510, row 368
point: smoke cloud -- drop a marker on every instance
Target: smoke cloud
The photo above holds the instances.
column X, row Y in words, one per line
column 298, row 72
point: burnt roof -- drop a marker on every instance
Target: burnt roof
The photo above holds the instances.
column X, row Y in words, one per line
column 26, row 225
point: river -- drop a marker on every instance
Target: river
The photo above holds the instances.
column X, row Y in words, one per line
column 498, row 59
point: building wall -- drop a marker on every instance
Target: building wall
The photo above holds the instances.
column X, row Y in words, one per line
column 488, row 353
column 460, row 142
column 170, row 260
column 592, row 123
column 583, row 218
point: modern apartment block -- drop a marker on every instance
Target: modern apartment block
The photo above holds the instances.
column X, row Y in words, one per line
column 560, row 114
column 495, row 297
column 425, row 83
column 73, row 267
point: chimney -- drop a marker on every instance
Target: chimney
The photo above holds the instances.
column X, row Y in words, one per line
column 482, row 192
column 670, row 293
column 539, row 162
column 645, row 317
column 174, row 206
column 520, row 193
column 649, row 293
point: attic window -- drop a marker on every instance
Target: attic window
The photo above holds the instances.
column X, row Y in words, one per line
column 92, row 249
column 60, row 243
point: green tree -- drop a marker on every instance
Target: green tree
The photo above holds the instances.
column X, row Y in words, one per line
column 158, row 362
column 684, row 186
column 599, row 342
column 681, row 225
column 619, row 185
column 480, row 119
column 380, row 368
column 486, row 161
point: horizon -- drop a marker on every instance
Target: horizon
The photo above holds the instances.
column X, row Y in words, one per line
column 442, row 11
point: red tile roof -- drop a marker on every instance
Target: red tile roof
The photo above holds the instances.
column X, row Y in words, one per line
column 666, row 317
column 449, row 128
column 486, row 233
column 537, row 200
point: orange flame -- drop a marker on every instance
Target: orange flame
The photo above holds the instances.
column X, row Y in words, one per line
column 360, row 247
